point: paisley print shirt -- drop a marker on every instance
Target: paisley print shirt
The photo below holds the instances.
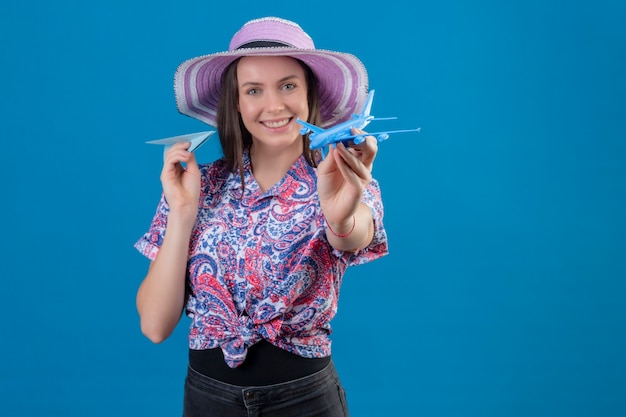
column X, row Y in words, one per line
column 260, row 265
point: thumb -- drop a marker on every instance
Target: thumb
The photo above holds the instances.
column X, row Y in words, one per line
column 328, row 163
column 192, row 165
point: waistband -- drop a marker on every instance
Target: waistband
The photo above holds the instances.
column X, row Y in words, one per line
column 265, row 364
column 259, row 395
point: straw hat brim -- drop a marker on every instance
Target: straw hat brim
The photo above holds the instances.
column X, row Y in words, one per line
column 342, row 81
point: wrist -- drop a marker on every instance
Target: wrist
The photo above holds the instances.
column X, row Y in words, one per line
column 344, row 230
column 182, row 219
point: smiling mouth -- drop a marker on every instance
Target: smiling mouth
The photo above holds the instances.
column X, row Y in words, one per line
column 275, row 124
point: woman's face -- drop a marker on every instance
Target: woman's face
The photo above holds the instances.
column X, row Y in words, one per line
column 272, row 94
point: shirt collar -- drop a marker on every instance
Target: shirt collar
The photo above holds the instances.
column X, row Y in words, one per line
column 300, row 172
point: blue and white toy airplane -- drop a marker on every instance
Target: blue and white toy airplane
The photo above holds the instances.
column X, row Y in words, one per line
column 321, row 137
column 196, row 139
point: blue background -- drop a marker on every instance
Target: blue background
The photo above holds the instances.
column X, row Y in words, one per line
column 504, row 293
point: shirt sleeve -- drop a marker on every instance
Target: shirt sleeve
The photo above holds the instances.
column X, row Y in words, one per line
column 378, row 247
column 150, row 243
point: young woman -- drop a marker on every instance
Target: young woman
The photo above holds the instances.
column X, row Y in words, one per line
column 253, row 246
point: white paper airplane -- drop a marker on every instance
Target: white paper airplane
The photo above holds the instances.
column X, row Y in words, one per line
column 196, row 139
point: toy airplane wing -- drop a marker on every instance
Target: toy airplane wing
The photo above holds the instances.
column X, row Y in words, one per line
column 308, row 127
column 196, row 139
column 357, row 139
column 380, row 136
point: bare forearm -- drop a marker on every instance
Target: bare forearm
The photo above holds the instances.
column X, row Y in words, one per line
column 161, row 295
column 352, row 234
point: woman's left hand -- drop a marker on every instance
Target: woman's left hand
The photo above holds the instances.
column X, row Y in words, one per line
column 342, row 177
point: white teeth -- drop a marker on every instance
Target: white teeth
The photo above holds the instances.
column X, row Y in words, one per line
column 275, row 125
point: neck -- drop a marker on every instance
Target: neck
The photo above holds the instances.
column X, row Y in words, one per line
column 270, row 165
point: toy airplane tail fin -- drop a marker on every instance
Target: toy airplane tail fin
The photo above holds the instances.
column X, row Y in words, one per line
column 367, row 108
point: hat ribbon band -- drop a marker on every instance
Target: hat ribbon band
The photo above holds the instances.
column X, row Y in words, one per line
column 263, row 44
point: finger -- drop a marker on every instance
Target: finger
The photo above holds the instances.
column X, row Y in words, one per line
column 367, row 149
column 177, row 155
column 353, row 157
column 328, row 164
column 181, row 145
column 173, row 163
column 367, row 141
column 351, row 167
column 192, row 164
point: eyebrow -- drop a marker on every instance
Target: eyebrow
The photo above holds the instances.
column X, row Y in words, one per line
column 255, row 83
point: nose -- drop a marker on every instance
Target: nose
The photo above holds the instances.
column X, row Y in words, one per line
column 274, row 102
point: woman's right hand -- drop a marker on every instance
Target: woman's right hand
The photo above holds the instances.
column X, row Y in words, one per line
column 181, row 186
column 161, row 295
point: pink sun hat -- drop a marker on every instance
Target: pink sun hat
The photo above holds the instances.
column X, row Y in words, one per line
column 342, row 77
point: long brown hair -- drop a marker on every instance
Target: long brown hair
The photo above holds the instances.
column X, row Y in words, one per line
column 235, row 138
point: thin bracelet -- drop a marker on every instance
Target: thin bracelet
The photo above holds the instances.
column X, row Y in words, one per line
column 342, row 235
